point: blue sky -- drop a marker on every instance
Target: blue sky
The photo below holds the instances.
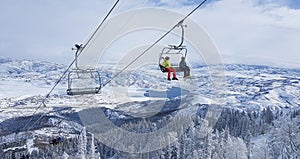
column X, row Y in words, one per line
column 294, row 4
column 291, row 3
column 245, row 31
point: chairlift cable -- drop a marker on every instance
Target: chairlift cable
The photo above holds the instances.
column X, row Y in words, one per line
column 48, row 94
column 193, row 11
column 99, row 33
column 68, row 68
column 158, row 40
column 99, row 26
column 81, row 49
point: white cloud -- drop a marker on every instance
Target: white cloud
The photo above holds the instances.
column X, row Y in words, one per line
column 245, row 31
column 251, row 31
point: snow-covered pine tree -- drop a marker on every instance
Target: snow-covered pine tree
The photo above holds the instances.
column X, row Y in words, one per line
column 93, row 148
column 235, row 148
column 83, row 144
column 284, row 139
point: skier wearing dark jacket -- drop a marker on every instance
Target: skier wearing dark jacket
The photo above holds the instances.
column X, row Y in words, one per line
column 183, row 66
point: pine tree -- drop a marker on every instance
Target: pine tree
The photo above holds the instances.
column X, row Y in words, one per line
column 285, row 137
column 82, row 144
column 93, row 148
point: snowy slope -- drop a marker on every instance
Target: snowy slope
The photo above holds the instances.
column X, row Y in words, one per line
column 133, row 94
column 24, row 82
column 25, row 77
column 261, row 86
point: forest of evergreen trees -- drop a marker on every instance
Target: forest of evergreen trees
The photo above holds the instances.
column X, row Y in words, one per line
column 237, row 134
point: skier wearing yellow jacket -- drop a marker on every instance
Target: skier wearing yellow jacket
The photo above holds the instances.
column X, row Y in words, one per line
column 167, row 65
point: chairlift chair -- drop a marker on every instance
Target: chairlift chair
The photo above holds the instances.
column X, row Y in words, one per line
column 83, row 81
column 174, row 52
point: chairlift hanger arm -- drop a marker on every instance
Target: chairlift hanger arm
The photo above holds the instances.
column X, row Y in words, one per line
column 78, row 49
column 182, row 33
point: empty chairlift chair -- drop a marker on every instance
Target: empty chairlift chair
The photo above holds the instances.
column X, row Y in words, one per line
column 83, row 81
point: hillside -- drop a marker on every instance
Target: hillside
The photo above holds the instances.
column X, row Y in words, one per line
column 250, row 107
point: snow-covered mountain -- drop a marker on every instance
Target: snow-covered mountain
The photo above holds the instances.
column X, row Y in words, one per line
column 26, row 77
column 28, row 69
column 255, row 100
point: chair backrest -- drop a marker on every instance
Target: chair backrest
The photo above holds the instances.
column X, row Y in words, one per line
column 174, row 52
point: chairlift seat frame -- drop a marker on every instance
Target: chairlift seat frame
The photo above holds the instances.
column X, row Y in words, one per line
column 83, row 90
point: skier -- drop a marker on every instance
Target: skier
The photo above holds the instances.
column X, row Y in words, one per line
column 167, row 65
column 183, row 66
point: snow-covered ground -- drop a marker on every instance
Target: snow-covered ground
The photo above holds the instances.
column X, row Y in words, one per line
column 24, row 83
